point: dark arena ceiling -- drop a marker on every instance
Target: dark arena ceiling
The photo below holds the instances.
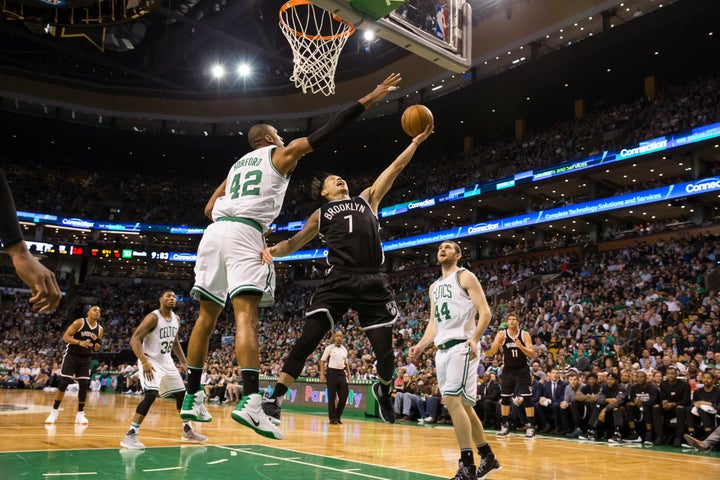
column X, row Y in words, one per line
column 531, row 59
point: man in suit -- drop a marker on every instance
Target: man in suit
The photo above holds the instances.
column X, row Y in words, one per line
column 553, row 394
column 488, row 399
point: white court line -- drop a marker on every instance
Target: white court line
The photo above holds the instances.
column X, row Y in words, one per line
column 218, row 461
column 68, row 474
column 394, row 467
column 339, row 470
column 162, row 469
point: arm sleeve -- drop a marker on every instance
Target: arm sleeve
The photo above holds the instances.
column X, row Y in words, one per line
column 339, row 121
column 10, row 232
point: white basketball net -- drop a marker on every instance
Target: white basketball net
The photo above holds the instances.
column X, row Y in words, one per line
column 316, row 37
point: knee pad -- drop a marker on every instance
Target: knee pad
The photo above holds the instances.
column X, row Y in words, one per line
column 144, row 406
column 63, row 383
column 179, row 397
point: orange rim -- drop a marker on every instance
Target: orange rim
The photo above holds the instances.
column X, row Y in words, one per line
column 295, row 3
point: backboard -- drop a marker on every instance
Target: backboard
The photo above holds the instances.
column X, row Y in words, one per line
column 437, row 30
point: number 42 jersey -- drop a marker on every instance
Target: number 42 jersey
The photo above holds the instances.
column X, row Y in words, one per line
column 254, row 189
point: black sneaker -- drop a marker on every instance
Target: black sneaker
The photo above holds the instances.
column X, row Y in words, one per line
column 465, row 472
column 272, row 410
column 575, row 433
column 615, row 438
column 488, row 465
column 590, row 435
column 385, row 407
column 633, row 437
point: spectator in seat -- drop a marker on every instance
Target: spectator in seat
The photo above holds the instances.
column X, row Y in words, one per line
column 674, row 403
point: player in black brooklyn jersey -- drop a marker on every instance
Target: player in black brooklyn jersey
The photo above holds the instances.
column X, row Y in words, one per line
column 82, row 337
column 516, row 347
column 350, row 228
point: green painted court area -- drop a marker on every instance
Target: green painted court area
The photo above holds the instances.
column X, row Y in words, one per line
column 246, row 462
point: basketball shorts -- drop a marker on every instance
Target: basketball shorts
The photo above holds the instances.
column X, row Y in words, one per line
column 520, row 377
column 367, row 293
column 457, row 373
column 228, row 263
column 77, row 366
column 166, row 378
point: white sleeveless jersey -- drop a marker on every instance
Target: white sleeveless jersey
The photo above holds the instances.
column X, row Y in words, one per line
column 157, row 345
column 254, row 189
column 454, row 314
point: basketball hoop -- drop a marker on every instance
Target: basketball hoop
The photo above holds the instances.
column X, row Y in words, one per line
column 316, row 37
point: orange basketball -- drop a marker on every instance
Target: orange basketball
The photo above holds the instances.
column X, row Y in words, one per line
column 415, row 119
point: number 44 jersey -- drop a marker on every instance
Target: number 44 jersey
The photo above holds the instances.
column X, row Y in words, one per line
column 454, row 314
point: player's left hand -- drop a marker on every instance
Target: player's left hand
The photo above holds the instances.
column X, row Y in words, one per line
column 147, row 370
column 472, row 345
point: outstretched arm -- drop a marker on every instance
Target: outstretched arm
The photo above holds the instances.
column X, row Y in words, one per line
column 285, row 158
column 292, row 244
column 375, row 193
column 44, row 290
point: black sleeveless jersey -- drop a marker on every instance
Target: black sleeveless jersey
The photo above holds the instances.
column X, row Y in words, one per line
column 513, row 357
column 86, row 332
column 352, row 233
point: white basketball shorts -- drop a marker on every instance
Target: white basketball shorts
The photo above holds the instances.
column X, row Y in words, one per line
column 457, row 374
column 166, row 378
column 228, row 263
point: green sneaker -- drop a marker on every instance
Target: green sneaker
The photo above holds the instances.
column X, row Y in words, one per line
column 249, row 412
column 194, row 407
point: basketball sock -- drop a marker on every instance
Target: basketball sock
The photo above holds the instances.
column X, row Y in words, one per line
column 531, row 421
column 467, row 457
column 56, row 404
column 484, row 450
column 134, row 427
column 193, row 382
column 505, row 420
column 280, row 391
column 251, row 380
column 186, row 426
column 81, row 406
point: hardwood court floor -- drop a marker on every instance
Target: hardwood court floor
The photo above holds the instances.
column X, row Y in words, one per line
column 357, row 450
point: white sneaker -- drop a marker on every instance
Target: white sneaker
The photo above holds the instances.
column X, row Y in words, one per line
column 193, row 437
column 529, row 434
column 81, row 419
column 131, row 441
column 249, row 412
column 504, row 431
column 50, row 420
column 194, row 408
